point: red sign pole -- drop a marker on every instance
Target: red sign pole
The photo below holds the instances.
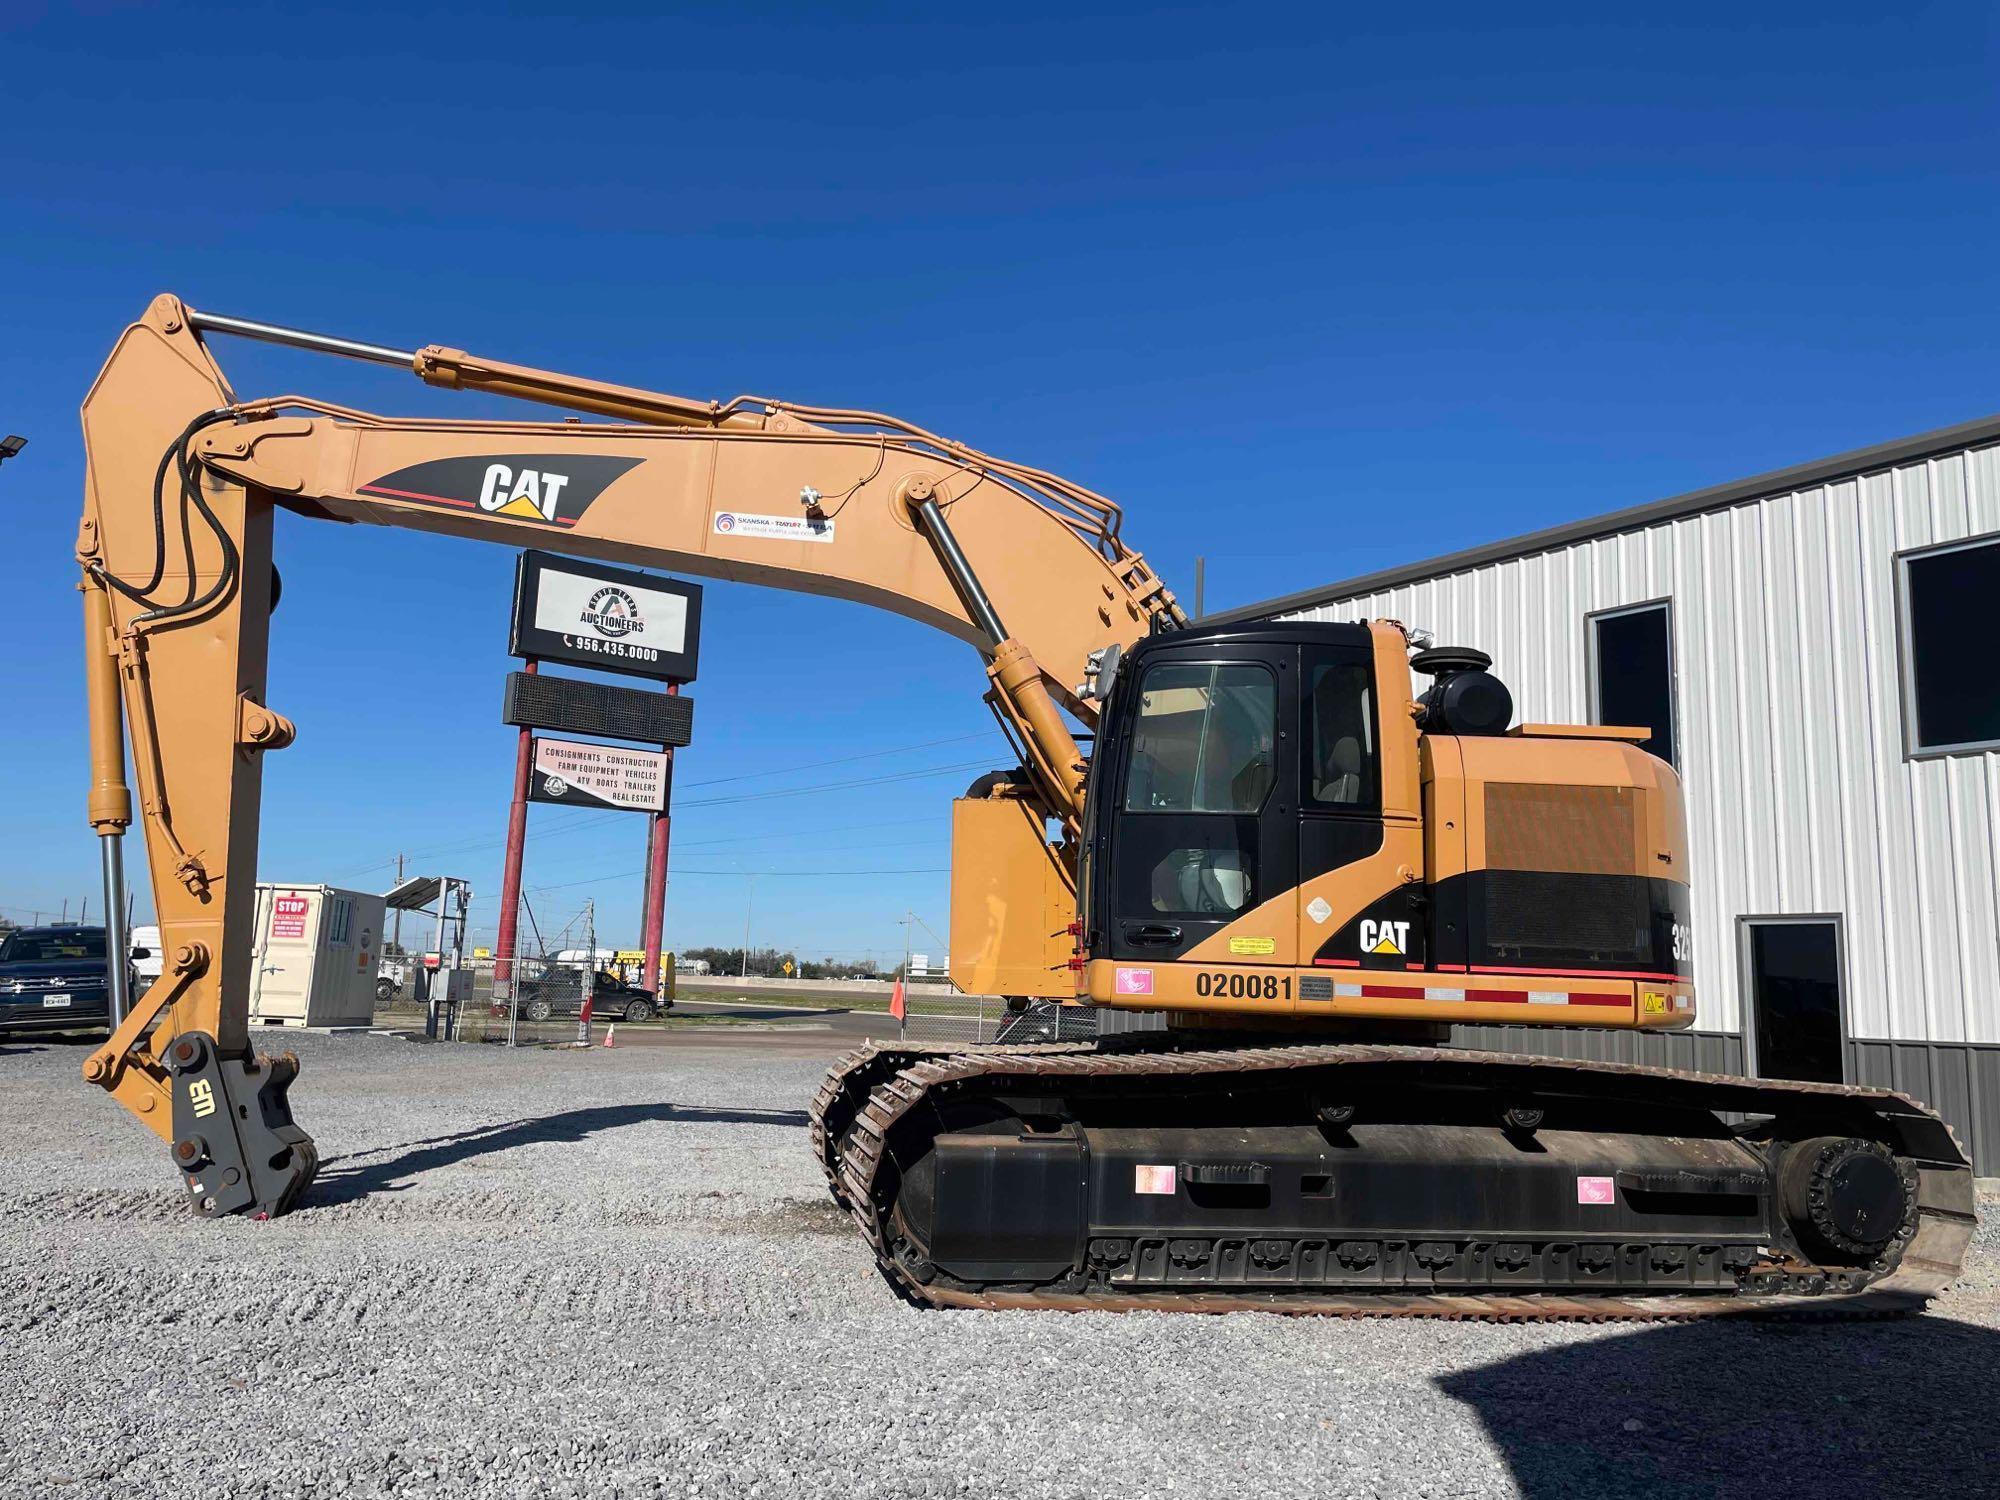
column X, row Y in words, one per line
column 510, row 873
column 654, row 917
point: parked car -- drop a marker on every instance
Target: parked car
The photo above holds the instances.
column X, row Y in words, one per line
column 560, row 993
column 52, row 979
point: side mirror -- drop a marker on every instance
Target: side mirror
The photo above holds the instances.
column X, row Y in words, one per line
column 142, row 952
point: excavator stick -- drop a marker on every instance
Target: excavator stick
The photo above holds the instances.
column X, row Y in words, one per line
column 176, row 633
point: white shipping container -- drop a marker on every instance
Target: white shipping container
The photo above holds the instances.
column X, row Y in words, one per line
column 317, row 951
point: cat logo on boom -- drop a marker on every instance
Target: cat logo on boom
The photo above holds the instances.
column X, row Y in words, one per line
column 1385, row 937
column 549, row 489
column 531, row 494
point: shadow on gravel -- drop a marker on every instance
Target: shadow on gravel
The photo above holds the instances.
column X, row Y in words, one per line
column 414, row 1158
column 41, row 1042
column 1750, row 1410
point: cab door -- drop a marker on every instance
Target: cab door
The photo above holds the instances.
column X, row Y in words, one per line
column 1356, row 910
column 1203, row 832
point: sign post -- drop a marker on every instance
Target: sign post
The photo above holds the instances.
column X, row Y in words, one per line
column 510, row 872
column 605, row 619
column 652, row 919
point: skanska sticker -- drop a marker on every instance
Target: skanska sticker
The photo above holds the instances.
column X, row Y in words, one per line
column 772, row 528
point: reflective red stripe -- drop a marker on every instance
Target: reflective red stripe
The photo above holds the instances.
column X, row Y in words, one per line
column 383, row 489
column 1579, row 974
column 1484, row 997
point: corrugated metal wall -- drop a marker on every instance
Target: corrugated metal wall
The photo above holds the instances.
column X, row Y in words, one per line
column 1800, row 799
column 1698, row 1051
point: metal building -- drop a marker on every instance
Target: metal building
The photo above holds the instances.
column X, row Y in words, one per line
column 1819, row 642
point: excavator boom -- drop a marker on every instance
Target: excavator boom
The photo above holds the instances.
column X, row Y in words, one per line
column 175, row 546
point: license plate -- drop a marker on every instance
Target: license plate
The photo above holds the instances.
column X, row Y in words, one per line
column 55, row 1002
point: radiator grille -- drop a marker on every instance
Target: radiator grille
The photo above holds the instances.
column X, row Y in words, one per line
column 1571, row 830
column 1533, row 916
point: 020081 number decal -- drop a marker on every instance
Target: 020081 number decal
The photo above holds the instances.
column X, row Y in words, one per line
column 1244, row 986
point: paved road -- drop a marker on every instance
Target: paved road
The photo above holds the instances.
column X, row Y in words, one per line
column 791, row 1030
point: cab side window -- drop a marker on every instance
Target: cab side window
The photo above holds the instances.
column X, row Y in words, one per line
column 1342, row 765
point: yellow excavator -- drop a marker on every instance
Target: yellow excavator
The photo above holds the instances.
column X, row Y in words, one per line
column 1313, row 847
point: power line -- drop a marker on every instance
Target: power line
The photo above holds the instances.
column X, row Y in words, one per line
column 835, row 786
column 956, row 739
column 739, row 874
column 585, row 821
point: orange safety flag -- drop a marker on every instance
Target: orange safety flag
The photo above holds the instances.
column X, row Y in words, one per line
column 897, row 1007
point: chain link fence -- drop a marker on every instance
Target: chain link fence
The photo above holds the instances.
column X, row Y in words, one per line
column 989, row 1019
column 550, row 997
column 541, row 1002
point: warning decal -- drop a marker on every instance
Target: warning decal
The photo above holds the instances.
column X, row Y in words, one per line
column 288, row 916
column 1158, row 1181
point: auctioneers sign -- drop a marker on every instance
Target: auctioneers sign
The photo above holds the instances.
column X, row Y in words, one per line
column 612, row 619
column 584, row 775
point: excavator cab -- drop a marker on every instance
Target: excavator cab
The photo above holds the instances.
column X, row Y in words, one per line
column 1276, row 824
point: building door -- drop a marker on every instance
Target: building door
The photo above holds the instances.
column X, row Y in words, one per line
column 1791, row 971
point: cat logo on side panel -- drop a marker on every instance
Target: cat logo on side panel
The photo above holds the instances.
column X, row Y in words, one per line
column 1385, row 937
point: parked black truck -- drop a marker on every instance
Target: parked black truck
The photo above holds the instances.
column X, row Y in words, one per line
column 53, row 979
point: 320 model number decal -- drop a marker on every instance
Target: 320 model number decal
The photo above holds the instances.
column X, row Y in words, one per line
column 1244, row 986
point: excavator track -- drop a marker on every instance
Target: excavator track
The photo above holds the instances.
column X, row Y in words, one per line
column 881, row 1110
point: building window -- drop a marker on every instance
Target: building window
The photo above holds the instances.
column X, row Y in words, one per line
column 1951, row 698
column 1632, row 674
column 1792, row 991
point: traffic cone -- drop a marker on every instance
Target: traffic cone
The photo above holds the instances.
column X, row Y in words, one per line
column 610, row 1032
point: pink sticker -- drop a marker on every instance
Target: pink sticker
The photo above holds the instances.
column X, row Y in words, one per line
column 1153, row 1180
column 1134, row 982
column 1595, row 1190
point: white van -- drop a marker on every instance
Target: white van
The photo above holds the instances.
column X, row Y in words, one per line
column 146, row 940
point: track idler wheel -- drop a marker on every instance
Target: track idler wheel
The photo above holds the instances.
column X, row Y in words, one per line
column 1847, row 1196
column 235, row 1144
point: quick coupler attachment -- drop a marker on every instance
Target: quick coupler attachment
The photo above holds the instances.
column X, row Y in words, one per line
column 235, row 1145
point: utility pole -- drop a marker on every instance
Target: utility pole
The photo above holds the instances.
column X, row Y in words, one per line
column 397, row 937
column 748, row 902
column 1200, row 580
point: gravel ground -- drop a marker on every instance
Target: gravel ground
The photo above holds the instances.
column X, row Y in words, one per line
column 618, row 1274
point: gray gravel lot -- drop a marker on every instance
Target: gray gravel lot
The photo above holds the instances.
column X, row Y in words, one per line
column 618, row 1274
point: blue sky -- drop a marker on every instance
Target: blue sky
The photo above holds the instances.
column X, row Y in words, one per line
column 1309, row 292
